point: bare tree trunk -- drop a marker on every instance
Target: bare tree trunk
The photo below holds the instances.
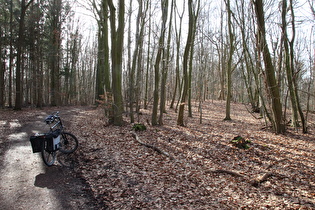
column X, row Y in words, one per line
column 148, row 60
column 40, row 78
column 100, row 74
column 180, row 117
column 312, row 7
column 272, row 86
column 54, row 59
column 289, row 71
column 117, row 40
column 2, row 71
column 11, row 56
column 229, row 65
column 292, row 72
column 164, row 6
column 105, row 56
column 166, row 60
column 222, row 57
column 140, row 66
column 20, row 42
column 136, row 60
column 250, row 73
column 131, row 66
column 178, row 44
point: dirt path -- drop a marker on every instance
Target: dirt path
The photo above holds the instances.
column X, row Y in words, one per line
column 25, row 182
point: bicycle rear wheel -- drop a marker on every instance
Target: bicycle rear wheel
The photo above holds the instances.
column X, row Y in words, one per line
column 48, row 156
column 68, row 142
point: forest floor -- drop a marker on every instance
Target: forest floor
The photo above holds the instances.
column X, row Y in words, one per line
column 174, row 167
column 196, row 166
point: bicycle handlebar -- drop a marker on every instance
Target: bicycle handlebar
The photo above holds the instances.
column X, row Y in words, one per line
column 51, row 118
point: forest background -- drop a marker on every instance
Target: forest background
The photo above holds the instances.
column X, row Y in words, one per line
column 153, row 54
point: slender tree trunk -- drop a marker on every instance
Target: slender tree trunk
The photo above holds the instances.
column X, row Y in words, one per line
column 54, row 59
column 20, row 43
column 249, row 74
column 100, row 74
column 229, row 64
column 222, row 57
column 135, row 62
column 191, row 59
column 272, row 86
column 295, row 85
column 180, row 117
column 178, row 34
column 11, row 56
column 288, row 66
column 190, row 76
column 140, row 66
column 106, row 55
column 164, row 5
column 166, row 59
column 148, row 61
column 2, row 71
column 131, row 65
column 18, row 92
column 2, row 85
column 39, row 77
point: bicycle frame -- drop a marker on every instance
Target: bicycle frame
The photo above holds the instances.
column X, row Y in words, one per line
column 66, row 142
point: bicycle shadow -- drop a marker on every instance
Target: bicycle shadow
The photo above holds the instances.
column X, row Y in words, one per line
column 51, row 179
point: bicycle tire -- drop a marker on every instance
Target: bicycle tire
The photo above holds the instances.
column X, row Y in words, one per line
column 48, row 156
column 68, row 143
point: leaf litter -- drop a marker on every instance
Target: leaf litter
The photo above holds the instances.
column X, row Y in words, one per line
column 206, row 171
column 202, row 169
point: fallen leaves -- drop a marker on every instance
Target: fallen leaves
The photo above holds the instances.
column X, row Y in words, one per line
column 124, row 173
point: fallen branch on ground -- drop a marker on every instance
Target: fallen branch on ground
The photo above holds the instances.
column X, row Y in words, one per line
column 264, row 177
column 233, row 173
column 276, row 162
column 261, row 179
column 151, row 146
column 254, row 182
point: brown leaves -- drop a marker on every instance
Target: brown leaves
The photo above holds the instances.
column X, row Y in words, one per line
column 124, row 173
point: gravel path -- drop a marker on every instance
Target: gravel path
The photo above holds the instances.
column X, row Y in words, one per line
column 25, row 182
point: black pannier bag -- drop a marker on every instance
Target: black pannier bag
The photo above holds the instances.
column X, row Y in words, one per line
column 52, row 141
column 37, row 142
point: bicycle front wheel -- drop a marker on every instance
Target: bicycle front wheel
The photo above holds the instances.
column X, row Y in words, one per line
column 47, row 155
column 68, row 142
